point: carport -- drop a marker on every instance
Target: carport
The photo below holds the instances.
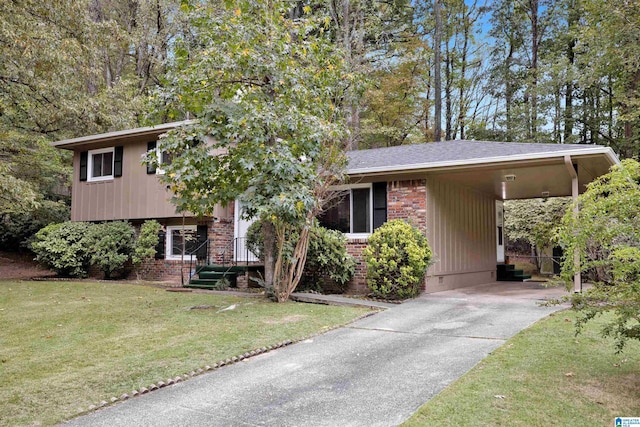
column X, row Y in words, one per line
column 467, row 182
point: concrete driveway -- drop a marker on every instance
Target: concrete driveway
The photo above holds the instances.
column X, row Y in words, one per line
column 374, row 372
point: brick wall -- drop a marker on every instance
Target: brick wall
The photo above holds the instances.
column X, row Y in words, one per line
column 165, row 271
column 221, row 240
column 408, row 200
column 358, row 283
column 405, row 200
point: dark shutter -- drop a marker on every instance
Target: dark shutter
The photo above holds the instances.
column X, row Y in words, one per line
column 202, row 239
column 379, row 204
column 161, row 244
column 84, row 160
column 151, row 166
column 117, row 161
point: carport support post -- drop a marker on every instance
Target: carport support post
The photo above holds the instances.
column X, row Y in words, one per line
column 577, row 279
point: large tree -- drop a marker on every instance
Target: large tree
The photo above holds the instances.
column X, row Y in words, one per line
column 69, row 68
column 266, row 85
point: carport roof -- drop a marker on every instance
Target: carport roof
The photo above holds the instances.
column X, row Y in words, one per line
column 507, row 170
column 436, row 155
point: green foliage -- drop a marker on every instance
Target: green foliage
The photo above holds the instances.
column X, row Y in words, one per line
column 328, row 267
column 17, row 230
column 111, row 245
column 397, row 258
column 255, row 242
column 64, row 248
column 265, row 89
column 70, row 248
column 145, row 246
column 534, row 220
column 606, row 232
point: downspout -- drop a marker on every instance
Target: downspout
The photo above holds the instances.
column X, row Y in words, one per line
column 577, row 279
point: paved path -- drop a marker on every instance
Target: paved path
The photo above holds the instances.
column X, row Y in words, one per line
column 375, row 372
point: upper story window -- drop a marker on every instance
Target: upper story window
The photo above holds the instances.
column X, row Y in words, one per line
column 101, row 164
column 360, row 211
column 163, row 158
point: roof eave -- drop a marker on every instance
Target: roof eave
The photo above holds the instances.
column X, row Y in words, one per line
column 69, row 144
column 431, row 166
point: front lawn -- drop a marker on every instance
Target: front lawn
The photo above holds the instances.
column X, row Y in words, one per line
column 67, row 345
column 544, row 376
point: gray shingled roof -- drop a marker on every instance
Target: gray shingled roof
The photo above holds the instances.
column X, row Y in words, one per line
column 452, row 152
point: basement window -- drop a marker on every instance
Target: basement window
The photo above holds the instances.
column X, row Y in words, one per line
column 179, row 238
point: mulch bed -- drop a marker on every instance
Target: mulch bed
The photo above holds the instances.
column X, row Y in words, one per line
column 21, row 266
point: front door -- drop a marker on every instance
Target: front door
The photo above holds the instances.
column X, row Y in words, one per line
column 240, row 251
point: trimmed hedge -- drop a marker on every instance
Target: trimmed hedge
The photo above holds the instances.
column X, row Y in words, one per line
column 397, row 258
column 70, row 248
column 64, row 248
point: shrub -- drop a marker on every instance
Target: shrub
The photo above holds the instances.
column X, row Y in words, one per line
column 64, row 248
column 145, row 246
column 17, row 230
column 397, row 257
column 111, row 246
column 255, row 243
column 328, row 268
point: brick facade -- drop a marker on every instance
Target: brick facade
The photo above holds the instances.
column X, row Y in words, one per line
column 358, row 283
column 221, row 234
column 405, row 200
column 408, row 200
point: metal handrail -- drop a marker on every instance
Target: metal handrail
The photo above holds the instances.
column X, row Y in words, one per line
column 195, row 251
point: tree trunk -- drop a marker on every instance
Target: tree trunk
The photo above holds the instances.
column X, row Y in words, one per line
column 448, row 78
column 569, row 120
column 462, row 106
column 533, row 125
column 437, row 79
column 269, row 237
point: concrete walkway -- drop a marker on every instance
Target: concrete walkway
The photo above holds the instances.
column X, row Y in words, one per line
column 375, row 372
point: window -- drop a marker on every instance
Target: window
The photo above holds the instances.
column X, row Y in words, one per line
column 165, row 159
column 179, row 237
column 355, row 213
column 161, row 158
column 101, row 164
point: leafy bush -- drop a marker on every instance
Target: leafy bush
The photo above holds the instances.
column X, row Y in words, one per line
column 64, row 248
column 145, row 246
column 111, row 246
column 255, row 243
column 17, row 230
column 397, row 257
column 70, row 248
column 606, row 233
column 328, row 268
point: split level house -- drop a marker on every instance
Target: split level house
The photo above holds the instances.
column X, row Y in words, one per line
column 453, row 191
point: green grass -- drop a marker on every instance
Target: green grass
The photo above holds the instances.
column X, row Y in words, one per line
column 547, row 377
column 67, row 345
